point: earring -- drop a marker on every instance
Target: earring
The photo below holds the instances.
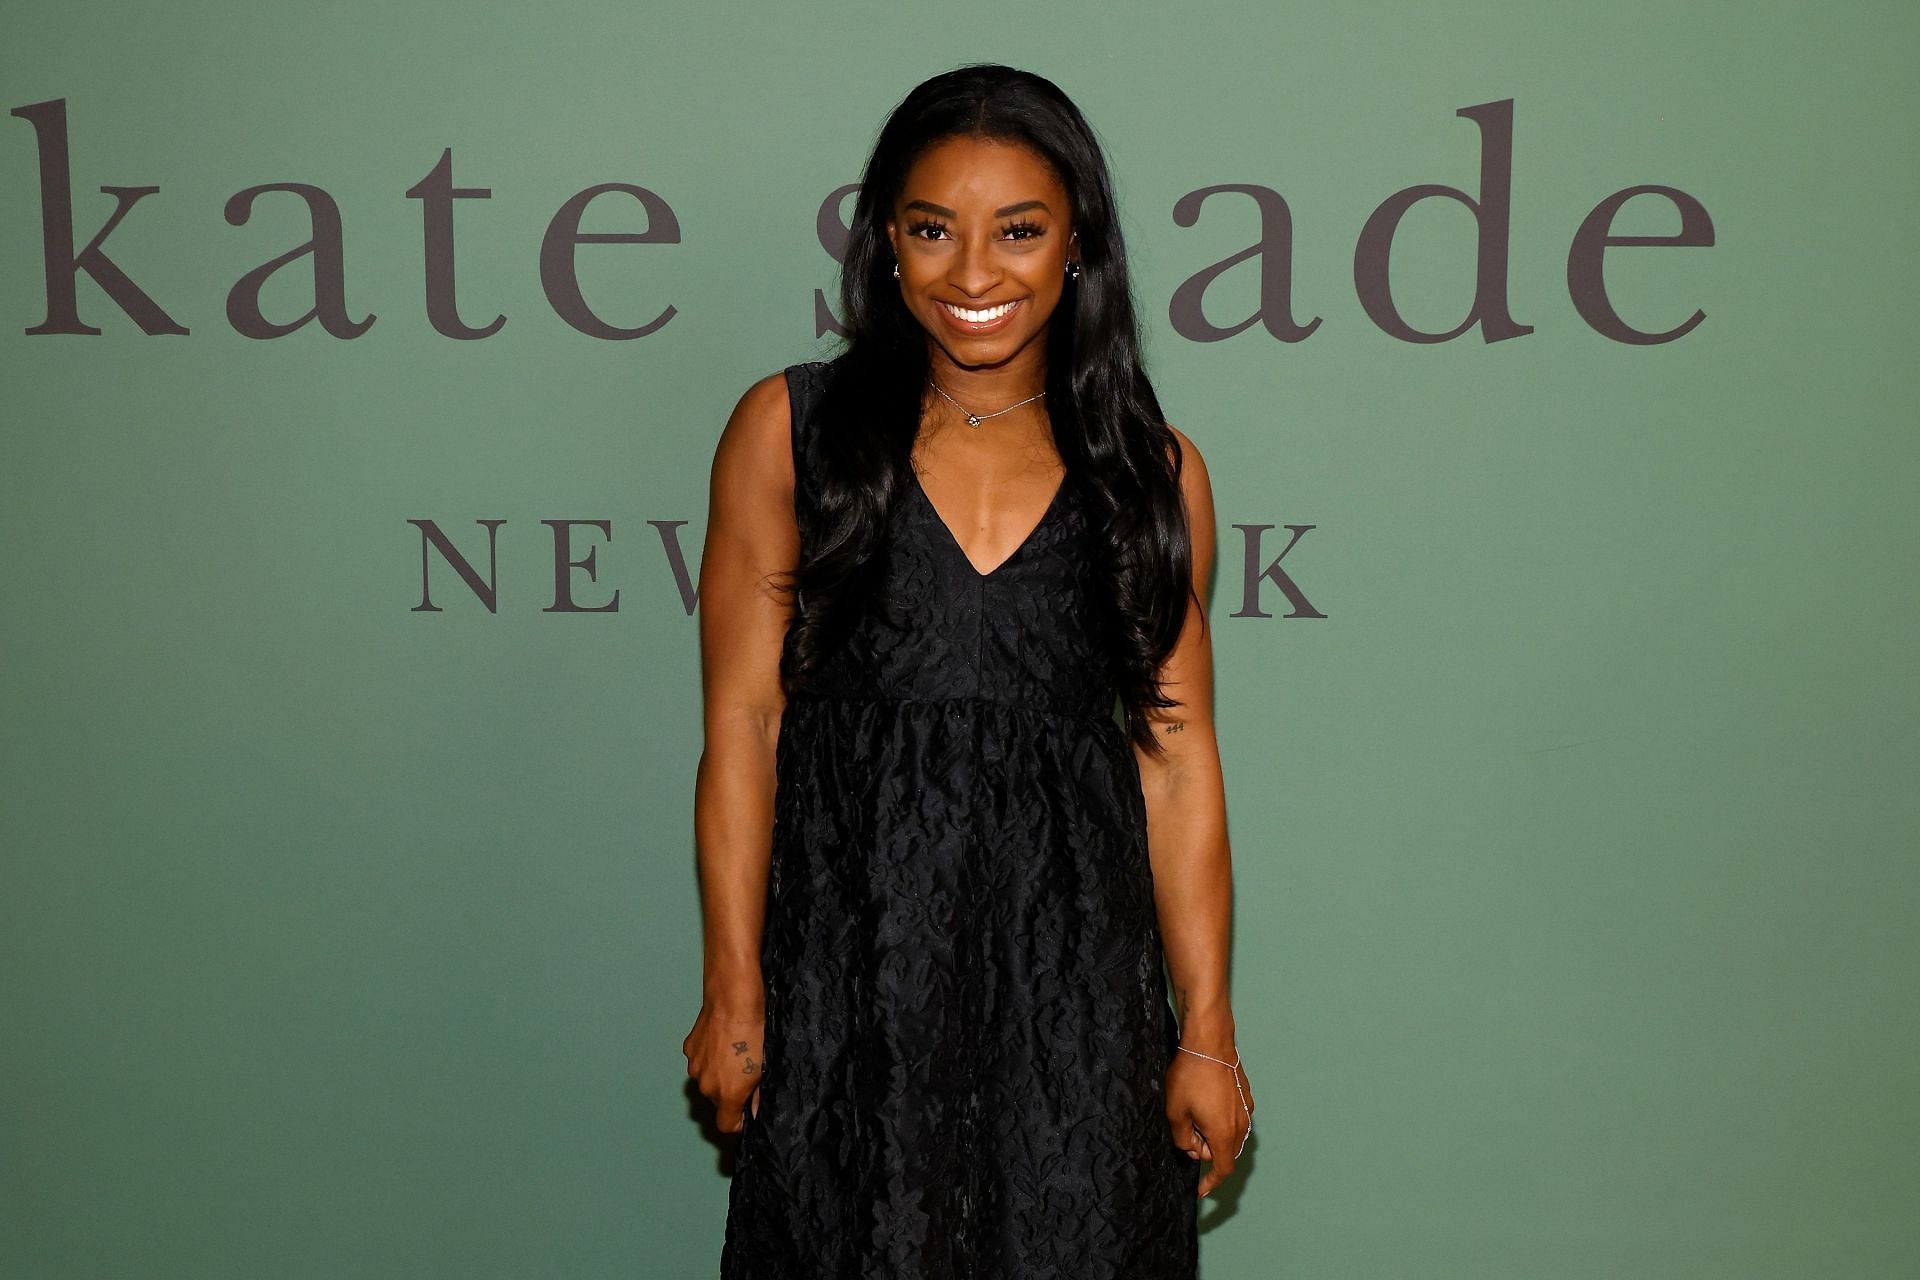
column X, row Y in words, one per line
column 1073, row 270
column 896, row 270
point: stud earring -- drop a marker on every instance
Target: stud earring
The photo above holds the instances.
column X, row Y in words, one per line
column 896, row 270
column 1073, row 270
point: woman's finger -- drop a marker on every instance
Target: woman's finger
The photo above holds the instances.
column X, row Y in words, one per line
column 1217, row 1168
column 1201, row 1144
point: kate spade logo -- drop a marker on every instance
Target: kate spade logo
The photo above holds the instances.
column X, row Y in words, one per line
column 443, row 202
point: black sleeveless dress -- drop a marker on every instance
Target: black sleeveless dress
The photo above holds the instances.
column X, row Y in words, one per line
column 967, row 1027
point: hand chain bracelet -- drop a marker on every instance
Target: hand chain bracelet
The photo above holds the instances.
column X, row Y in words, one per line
column 1235, row 1064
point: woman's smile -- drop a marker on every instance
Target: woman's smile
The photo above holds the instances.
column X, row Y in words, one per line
column 980, row 319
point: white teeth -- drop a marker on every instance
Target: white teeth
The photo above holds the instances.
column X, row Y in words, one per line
column 980, row 317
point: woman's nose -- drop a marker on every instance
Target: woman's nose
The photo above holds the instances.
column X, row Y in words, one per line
column 974, row 270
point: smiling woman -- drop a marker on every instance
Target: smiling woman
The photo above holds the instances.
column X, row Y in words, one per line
column 941, row 877
column 979, row 285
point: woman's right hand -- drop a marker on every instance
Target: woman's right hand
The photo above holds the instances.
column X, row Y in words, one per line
column 726, row 1054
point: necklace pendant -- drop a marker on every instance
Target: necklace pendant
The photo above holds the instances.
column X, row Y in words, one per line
column 972, row 421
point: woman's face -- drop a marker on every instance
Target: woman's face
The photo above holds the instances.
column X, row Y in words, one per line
column 982, row 233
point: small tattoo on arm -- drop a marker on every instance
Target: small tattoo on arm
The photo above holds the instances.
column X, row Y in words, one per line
column 752, row 1068
column 739, row 1046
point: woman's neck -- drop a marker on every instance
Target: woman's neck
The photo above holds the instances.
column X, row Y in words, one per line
column 990, row 388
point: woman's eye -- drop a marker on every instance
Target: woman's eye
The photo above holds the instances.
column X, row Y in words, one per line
column 936, row 230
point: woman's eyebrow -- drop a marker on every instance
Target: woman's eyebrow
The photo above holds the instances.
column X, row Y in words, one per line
column 1006, row 211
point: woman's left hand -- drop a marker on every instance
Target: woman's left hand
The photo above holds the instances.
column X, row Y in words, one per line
column 1204, row 1109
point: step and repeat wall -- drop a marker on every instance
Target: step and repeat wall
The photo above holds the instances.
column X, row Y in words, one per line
column 360, row 371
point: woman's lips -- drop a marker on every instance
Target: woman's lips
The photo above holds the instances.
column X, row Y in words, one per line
column 1002, row 315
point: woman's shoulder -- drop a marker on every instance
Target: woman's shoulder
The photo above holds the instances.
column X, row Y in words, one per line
column 762, row 411
column 772, row 415
column 779, row 400
column 1186, row 452
column 770, row 401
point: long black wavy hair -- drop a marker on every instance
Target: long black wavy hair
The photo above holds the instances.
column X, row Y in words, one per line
column 1106, row 420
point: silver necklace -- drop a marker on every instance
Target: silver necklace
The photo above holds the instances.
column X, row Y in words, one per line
column 975, row 419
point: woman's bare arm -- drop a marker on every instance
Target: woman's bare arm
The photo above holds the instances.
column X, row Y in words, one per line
column 1209, row 1106
column 1186, row 802
column 751, row 537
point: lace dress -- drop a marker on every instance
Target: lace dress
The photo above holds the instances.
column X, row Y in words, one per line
column 967, row 1027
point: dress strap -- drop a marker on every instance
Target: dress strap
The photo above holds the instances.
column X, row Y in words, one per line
column 804, row 385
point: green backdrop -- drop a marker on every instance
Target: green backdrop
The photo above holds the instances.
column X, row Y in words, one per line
column 1575, row 842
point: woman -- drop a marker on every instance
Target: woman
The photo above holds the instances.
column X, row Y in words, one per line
column 938, row 875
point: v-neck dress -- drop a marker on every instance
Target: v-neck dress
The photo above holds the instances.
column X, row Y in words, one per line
column 968, row 1028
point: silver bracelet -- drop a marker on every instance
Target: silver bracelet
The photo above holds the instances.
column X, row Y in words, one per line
column 1235, row 1064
